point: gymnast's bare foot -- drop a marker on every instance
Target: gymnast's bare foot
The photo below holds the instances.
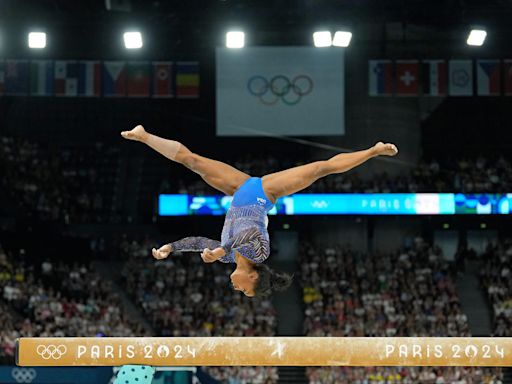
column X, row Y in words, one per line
column 387, row 149
column 138, row 134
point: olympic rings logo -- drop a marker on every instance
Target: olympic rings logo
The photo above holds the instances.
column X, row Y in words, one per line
column 51, row 351
column 280, row 87
column 24, row 375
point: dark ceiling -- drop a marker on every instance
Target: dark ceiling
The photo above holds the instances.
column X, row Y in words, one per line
column 77, row 26
column 276, row 12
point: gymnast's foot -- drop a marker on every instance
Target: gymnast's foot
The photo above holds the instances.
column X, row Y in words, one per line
column 138, row 134
column 382, row 149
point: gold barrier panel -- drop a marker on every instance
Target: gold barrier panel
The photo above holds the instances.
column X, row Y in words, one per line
column 265, row 351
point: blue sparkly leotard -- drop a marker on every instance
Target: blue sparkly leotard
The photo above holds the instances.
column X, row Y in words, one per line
column 245, row 227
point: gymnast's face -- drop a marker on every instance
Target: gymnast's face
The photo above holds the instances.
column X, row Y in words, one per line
column 244, row 281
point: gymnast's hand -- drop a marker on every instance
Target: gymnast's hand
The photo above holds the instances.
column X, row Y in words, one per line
column 209, row 256
column 162, row 252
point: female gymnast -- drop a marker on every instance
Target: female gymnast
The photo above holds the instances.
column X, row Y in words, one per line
column 244, row 239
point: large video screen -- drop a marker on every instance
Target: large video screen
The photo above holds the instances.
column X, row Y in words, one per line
column 350, row 204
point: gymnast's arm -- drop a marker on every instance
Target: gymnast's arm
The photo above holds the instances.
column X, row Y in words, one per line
column 194, row 244
column 188, row 244
column 249, row 243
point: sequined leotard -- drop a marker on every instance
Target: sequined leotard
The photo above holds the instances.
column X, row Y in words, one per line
column 244, row 227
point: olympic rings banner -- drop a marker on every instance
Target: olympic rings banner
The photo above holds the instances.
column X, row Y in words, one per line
column 295, row 91
column 280, row 88
column 265, row 351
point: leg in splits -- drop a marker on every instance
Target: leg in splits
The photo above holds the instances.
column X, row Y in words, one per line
column 217, row 174
column 296, row 179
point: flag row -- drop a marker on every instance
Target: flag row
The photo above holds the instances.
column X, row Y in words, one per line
column 157, row 79
column 489, row 77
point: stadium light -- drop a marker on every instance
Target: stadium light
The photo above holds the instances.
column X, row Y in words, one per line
column 476, row 37
column 37, row 40
column 322, row 39
column 235, row 39
column 132, row 40
column 342, row 39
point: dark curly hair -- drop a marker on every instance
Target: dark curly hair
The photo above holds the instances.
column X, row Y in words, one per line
column 270, row 280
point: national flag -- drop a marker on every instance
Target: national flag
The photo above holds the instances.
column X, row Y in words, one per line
column 380, row 77
column 2, row 77
column 89, row 78
column 488, row 74
column 16, row 77
column 41, row 78
column 162, row 79
column 407, row 77
column 187, row 79
column 507, row 75
column 433, row 74
column 461, row 78
column 114, row 78
column 138, row 79
column 66, row 78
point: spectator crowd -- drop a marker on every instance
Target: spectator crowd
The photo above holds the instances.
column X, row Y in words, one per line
column 407, row 293
column 496, row 279
column 56, row 299
column 405, row 375
column 59, row 183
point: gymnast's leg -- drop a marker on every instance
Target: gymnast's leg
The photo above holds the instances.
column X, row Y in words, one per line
column 296, row 179
column 220, row 176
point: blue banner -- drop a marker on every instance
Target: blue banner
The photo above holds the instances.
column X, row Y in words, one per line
column 55, row 375
column 350, row 204
column 92, row 375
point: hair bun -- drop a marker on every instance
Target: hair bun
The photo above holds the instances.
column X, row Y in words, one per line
column 270, row 280
column 280, row 281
